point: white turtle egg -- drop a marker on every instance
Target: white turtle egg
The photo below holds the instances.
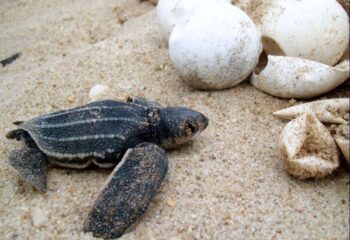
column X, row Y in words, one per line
column 98, row 91
column 171, row 11
column 314, row 29
column 216, row 48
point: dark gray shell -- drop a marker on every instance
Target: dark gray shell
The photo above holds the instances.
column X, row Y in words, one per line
column 94, row 130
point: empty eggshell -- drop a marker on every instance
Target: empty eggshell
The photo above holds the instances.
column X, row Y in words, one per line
column 98, row 91
column 170, row 12
column 307, row 148
column 327, row 111
column 290, row 77
column 314, row 29
column 216, row 48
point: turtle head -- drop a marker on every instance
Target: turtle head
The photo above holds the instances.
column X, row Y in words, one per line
column 181, row 125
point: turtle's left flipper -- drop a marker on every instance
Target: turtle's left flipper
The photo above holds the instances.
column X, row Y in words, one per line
column 128, row 191
column 32, row 165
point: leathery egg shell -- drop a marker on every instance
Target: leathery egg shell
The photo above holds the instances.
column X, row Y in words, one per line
column 317, row 30
column 307, row 148
column 170, row 12
column 334, row 111
column 216, row 48
column 291, row 77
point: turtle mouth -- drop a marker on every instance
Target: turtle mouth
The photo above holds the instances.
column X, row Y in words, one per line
column 179, row 141
column 196, row 135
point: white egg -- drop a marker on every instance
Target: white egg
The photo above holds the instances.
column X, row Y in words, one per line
column 98, row 92
column 170, row 12
column 216, row 48
column 314, row 29
column 291, row 77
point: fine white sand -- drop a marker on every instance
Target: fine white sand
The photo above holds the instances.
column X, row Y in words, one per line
column 228, row 184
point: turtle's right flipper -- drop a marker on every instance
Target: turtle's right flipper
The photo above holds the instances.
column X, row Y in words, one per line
column 32, row 165
column 128, row 191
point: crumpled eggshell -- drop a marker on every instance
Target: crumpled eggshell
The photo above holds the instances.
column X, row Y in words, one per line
column 327, row 111
column 98, row 92
column 216, row 48
column 307, row 148
column 342, row 140
column 170, row 12
column 290, row 77
column 313, row 29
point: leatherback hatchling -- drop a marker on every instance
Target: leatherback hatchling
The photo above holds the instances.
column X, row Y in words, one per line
column 127, row 134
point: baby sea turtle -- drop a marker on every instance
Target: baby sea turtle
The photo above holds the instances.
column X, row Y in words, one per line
column 129, row 135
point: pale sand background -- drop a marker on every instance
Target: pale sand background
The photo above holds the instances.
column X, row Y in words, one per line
column 229, row 184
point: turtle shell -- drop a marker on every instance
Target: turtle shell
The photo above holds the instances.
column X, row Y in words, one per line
column 94, row 130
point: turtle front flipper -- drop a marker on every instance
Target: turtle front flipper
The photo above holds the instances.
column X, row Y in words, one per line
column 128, row 191
column 32, row 165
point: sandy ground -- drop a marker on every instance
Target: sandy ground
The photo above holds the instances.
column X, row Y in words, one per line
column 228, row 184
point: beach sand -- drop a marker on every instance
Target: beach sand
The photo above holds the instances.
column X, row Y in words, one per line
column 228, row 184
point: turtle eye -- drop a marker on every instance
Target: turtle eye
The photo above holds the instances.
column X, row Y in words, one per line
column 192, row 127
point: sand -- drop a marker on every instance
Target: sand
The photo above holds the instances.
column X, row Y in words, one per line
column 228, row 184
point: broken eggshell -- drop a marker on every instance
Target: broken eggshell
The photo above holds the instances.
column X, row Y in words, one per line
column 170, row 12
column 317, row 30
column 291, row 77
column 307, row 148
column 327, row 111
column 216, row 48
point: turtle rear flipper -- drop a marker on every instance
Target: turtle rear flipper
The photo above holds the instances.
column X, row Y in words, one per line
column 32, row 165
column 128, row 191
column 14, row 134
column 20, row 134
